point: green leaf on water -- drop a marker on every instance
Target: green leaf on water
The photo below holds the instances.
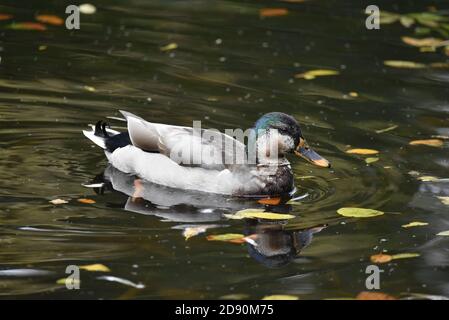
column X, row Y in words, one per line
column 414, row 224
column 359, row 212
column 258, row 214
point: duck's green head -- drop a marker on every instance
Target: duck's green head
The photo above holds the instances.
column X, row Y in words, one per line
column 289, row 136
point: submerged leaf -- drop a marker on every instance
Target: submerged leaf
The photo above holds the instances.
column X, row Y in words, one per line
column 414, row 224
column 259, row 214
column 50, row 19
column 427, row 142
column 273, row 12
column 362, row 151
column 370, row 295
column 404, row 64
column 97, row 267
column 170, row 46
column 280, row 297
column 27, row 26
column 371, row 160
column 312, row 74
column 359, row 212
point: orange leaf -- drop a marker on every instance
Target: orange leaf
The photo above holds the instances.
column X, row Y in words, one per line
column 270, row 201
column 366, row 295
column 50, row 19
column 86, row 201
column 5, row 16
column 428, row 142
column 273, row 12
column 381, row 258
column 27, row 26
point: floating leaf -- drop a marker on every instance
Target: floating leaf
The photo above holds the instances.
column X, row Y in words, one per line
column 58, row 201
column 312, row 74
column 170, row 46
column 362, row 151
column 428, row 178
column 69, row 281
column 5, row 16
column 228, row 237
column 424, row 42
column 443, row 233
column 406, row 21
column 387, row 129
column 86, row 201
column 273, row 12
column 359, row 212
column 89, row 88
column 50, row 19
column 414, row 224
column 427, row 142
column 404, row 64
column 388, row 17
column 259, row 214
column 270, row 201
column 27, row 26
column 190, row 232
column 381, row 258
column 404, row 256
column 97, row 267
column 87, row 8
column 371, row 160
column 444, row 200
column 353, row 94
column 280, row 297
column 370, row 295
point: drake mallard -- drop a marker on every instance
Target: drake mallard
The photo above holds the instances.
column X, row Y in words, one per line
column 165, row 155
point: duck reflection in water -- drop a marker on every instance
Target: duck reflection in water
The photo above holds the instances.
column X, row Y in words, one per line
column 273, row 244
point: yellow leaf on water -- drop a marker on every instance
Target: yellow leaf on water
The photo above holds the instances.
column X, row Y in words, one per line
column 443, row 233
column 259, row 214
column 50, row 19
column 86, row 201
column 444, row 200
column 58, row 201
column 387, row 129
column 427, row 142
column 362, row 151
column 371, row 160
column 404, row 256
column 97, row 267
column 170, row 46
column 312, row 74
column 68, row 281
column 228, row 237
column 404, row 64
column 414, row 224
column 359, row 212
column 424, row 42
column 273, row 12
column 280, row 297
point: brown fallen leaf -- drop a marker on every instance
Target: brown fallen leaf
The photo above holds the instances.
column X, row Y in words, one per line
column 273, row 12
column 27, row 26
column 362, row 151
column 270, row 201
column 427, row 142
column 368, row 295
column 50, row 19
column 381, row 258
column 5, row 16
column 86, row 201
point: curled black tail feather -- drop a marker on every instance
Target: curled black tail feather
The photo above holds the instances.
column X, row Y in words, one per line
column 111, row 142
column 100, row 129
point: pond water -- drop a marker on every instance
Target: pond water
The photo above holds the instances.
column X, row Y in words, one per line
column 230, row 67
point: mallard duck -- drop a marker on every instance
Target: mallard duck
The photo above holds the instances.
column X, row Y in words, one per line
column 206, row 160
